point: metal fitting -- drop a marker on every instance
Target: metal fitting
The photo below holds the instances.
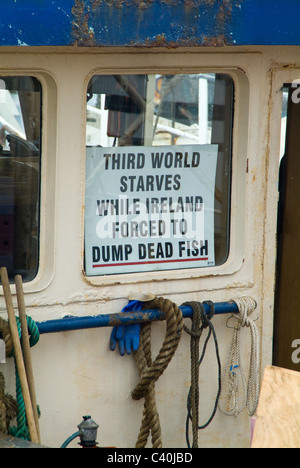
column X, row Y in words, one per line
column 88, row 432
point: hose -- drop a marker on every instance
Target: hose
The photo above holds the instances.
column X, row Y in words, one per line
column 69, row 439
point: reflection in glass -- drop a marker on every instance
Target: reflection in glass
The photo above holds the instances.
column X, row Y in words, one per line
column 20, row 148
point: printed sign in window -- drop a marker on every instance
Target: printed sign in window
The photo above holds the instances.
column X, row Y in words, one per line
column 158, row 172
column 149, row 208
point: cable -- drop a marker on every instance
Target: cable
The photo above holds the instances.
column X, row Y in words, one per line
column 200, row 321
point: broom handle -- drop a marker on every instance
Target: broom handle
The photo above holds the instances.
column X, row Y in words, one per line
column 18, row 355
column 26, row 349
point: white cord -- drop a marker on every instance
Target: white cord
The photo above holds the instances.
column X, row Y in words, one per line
column 233, row 372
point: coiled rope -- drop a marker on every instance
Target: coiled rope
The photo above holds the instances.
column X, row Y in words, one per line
column 231, row 402
column 8, row 407
column 200, row 321
column 22, row 430
column 150, row 371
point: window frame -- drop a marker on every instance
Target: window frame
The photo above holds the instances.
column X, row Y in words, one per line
column 47, row 195
column 235, row 257
column 21, row 163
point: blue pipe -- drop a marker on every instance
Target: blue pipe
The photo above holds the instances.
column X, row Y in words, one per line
column 124, row 318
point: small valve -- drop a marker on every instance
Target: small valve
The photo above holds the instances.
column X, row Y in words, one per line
column 88, row 432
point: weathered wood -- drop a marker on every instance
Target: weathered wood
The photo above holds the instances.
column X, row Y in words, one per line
column 18, row 355
column 278, row 414
column 26, row 350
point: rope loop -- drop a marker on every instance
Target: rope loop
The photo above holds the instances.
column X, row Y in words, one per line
column 34, row 334
column 174, row 325
column 197, row 320
column 235, row 399
column 6, row 336
column 200, row 321
column 8, row 407
column 150, row 371
column 206, row 318
column 22, row 430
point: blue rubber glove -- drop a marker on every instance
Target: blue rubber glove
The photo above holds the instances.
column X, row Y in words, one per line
column 127, row 336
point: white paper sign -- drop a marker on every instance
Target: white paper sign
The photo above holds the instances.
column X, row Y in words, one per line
column 149, row 208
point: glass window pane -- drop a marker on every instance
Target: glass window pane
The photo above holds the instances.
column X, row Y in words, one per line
column 20, row 151
column 158, row 172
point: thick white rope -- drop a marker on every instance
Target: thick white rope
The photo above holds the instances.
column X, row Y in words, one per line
column 233, row 374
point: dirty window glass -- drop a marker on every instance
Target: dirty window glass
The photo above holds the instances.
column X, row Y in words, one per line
column 20, row 150
column 158, row 150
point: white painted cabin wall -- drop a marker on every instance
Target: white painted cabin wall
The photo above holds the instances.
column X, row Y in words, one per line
column 75, row 372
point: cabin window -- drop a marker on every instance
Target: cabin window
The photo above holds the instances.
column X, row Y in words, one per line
column 20, row 157
column 158, row 172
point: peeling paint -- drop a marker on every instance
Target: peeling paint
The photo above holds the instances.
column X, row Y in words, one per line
column 81, row 32
column 142, row 4
column 218, row 41
column 148, row 23
column 90, row 26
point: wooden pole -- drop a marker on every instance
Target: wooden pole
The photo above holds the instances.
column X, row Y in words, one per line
column 26, row 349
column 18, row 355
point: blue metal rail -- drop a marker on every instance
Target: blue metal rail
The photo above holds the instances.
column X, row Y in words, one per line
column 124, row 318
column 149, row 23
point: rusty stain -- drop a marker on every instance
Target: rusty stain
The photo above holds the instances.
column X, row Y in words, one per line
column 159, row 41
column 216, row 41
column 223, row 10
column 141, row 4
column 84, row 35
column 205, row 41
column 147, row 3
column 81, row 31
